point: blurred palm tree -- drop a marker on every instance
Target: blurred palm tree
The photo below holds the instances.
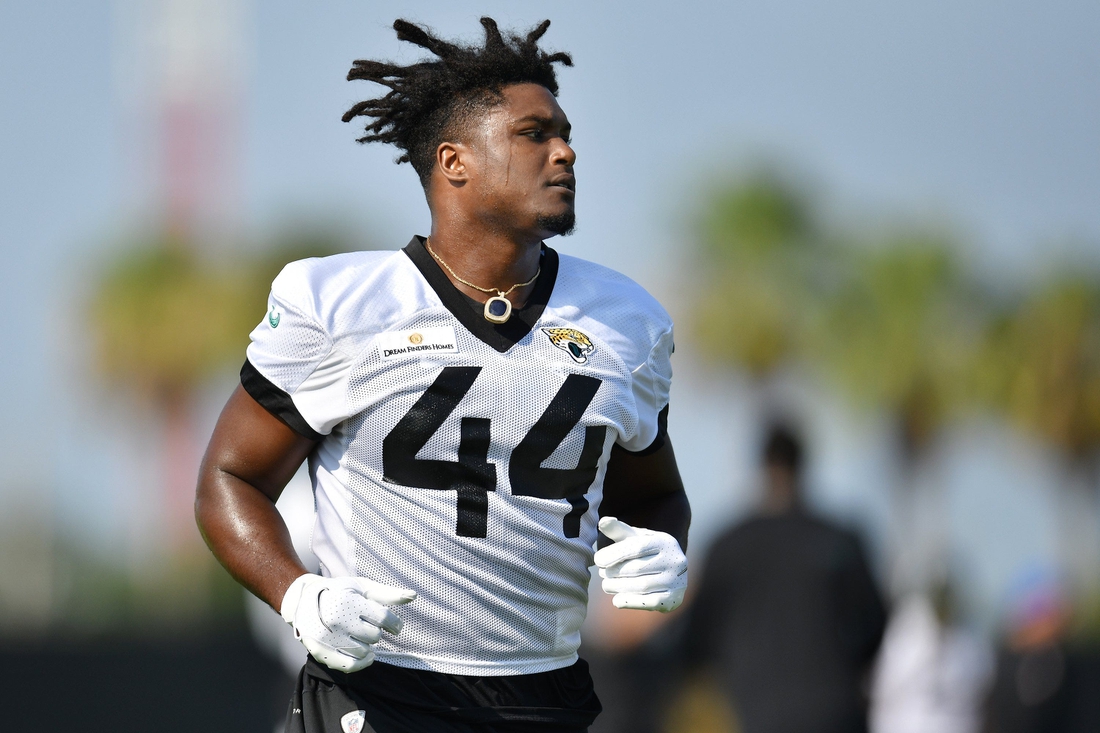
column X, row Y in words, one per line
column 891, row 322
column 753, row 293
column 899, row 335
column 166, row 320
column 897, row 327
column 1041, row 367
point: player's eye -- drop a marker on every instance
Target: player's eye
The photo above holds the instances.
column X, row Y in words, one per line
column 533, row 134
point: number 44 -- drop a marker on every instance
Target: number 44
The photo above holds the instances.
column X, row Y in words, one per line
column 472, row 476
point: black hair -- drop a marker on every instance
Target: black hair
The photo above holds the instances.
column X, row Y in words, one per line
column 783, row 448
column 428, row 100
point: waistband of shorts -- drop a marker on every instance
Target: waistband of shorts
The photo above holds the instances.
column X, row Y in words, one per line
column 557, row 699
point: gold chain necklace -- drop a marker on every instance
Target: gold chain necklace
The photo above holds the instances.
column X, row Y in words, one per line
column 498, row 309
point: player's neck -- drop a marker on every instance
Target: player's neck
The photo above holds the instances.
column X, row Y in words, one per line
column 486, row 258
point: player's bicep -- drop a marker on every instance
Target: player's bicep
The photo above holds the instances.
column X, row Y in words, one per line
column 644, row 490
column 634, row 479
column 251, row 444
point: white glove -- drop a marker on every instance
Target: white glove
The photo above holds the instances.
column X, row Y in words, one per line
column 338, row 619
column 643, row 569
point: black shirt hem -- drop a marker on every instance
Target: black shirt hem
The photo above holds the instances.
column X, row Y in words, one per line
column 275, row 401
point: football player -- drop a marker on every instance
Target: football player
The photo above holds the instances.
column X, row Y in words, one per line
column 474, row 408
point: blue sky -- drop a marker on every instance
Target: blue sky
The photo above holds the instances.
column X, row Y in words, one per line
column 981, row 114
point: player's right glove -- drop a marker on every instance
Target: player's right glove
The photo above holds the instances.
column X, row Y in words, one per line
column 339, row 619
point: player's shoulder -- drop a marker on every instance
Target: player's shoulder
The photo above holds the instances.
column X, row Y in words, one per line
column 328, row 278
column 347, row 290
column 608, row 291
column 611, row 304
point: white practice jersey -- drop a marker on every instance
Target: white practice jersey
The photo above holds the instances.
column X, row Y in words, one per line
column 457, row 458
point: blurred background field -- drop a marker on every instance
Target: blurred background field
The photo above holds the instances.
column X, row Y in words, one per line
column 880, row 222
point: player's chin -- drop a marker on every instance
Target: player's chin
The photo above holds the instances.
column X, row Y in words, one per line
column 559, row 223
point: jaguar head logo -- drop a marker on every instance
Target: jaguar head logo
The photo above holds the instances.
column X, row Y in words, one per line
column 571, row 341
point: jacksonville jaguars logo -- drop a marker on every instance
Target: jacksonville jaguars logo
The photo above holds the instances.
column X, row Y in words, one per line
column 571, row 341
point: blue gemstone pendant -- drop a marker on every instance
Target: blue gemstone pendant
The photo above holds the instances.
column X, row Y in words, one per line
column 498, row 309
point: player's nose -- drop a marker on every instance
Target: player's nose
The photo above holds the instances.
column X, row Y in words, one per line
column 563, row 154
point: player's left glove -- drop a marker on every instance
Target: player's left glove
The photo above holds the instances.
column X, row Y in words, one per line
column 643, row 569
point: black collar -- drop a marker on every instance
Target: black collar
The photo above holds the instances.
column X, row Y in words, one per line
column 501, row 336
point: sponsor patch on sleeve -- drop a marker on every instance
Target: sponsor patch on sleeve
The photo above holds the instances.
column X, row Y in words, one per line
column 420, row 342
column 353, row 722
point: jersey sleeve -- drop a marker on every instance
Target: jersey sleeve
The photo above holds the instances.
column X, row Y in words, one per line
column 650, row 385
column 292, row 368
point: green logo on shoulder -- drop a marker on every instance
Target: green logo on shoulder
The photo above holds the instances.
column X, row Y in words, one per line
column 274, row 316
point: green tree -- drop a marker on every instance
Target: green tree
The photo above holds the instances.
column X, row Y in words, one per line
column 1042, row 365
column 165, row 321
column 1041, row 368
column 890, row 322
column 752, row 294
column 899, row 335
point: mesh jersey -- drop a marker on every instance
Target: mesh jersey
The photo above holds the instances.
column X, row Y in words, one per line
column 457, row 458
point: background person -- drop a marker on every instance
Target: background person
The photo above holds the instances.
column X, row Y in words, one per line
column 787, row 616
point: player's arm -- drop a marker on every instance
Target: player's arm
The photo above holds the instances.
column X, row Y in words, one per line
column 645, row 514
column 645, row 490
column 251, row 458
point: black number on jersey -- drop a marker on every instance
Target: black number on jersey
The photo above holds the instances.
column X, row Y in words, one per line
column 472, row 476
column 525, row 469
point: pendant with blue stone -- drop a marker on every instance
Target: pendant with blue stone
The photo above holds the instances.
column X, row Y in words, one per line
column 498, row 309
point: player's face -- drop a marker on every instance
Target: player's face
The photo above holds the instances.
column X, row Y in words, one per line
column 524, row 164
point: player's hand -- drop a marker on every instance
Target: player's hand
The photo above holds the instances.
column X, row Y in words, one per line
column 643, row 569
column 340, row 619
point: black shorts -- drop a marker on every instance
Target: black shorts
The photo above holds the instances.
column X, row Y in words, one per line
column 400, row 700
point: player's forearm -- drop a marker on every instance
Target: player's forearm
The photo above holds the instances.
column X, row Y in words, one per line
column 669, row 513
column 247, row 534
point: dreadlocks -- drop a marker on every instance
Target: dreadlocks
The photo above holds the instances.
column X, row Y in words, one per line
column 429, row 100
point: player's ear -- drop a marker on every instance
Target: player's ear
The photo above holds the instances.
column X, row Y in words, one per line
column 451, row 159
